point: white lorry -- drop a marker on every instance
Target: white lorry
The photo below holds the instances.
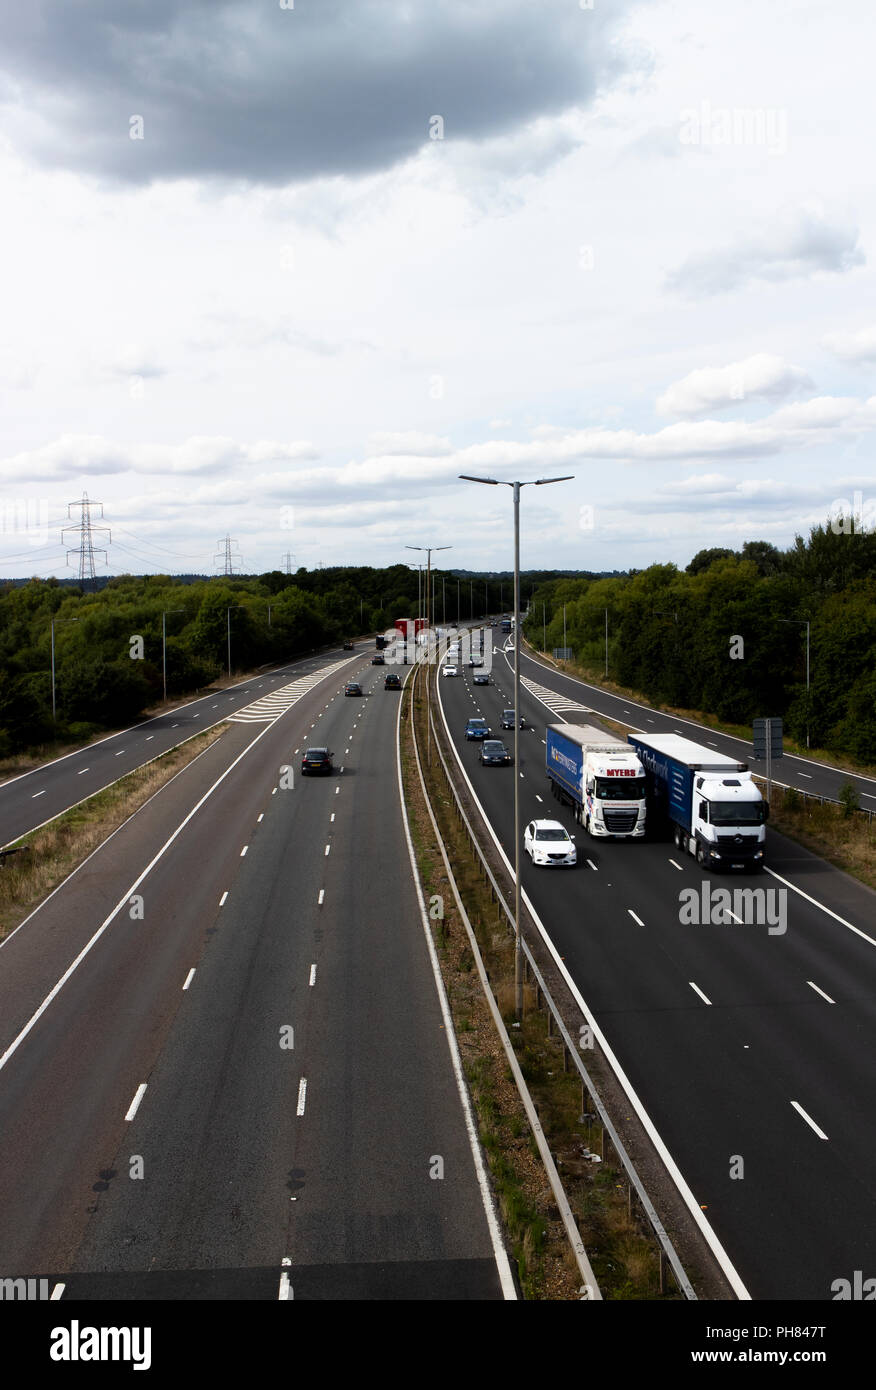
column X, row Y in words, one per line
column 600, row 776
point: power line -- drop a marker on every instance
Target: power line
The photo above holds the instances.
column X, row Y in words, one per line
column 86, row 530
column 230, row 562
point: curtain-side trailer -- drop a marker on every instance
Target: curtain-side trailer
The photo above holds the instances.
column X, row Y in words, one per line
column 600, row 777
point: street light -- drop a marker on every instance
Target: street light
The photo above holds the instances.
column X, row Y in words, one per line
column 537, row 482
column 807, row 622
column 57, row 620
column 164, row 614
column 228, row 620
column 428, row 549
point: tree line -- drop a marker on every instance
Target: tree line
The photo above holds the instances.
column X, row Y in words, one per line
column 727, row 635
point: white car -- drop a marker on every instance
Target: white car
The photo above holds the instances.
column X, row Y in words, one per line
column 549, row 843
column 450, row 670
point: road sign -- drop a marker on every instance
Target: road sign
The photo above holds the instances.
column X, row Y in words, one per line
column 767, row 735
column 563, row 653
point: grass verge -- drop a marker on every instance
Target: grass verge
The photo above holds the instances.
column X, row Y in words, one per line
column 50, row 854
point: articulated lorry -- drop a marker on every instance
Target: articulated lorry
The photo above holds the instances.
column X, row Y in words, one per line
column 600, row 777
column 708, row 800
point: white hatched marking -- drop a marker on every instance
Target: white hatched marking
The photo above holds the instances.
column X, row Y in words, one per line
column 270, row 707
column 554, row 702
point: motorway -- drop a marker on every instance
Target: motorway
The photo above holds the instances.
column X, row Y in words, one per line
column 751, row 1050
column 225, row 1070
column 33, row 798
column 562, row 692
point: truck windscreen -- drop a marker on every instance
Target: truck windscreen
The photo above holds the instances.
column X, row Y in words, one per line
column 736, row 813
column 620, row 788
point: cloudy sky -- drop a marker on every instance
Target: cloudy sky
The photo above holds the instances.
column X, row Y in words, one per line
column 281, row 271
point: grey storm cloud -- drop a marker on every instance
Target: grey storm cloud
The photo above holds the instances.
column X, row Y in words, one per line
column 233, row 89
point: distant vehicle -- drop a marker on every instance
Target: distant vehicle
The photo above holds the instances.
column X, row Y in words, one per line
column 378, row 659
column 380, row 643
column 481, row 679
column 477, row 728
column 714, row 808
column 549, row 843
column 349, row 646
column 506, row 624
column 352, row 688
column 476, row 661
column 316, row 760
column 493, row 752
column 493, row 622
column 392, row 682
column 508, row 719
column 449, row 670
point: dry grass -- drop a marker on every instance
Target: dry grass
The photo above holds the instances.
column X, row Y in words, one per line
column 51, row 853
column 846, row 841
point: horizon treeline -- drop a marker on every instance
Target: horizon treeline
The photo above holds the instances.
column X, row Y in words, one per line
column 727, row 635
column 105, row 677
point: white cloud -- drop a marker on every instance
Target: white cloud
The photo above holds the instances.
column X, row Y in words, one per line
column 856, row 346
column 760, row 377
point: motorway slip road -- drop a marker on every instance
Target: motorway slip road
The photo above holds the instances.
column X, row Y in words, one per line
column 256, row 1157
column 750, row 1050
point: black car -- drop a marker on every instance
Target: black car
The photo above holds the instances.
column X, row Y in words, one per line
column 352, row 688
column 477, row 728
column 378, row 659
column 392, row 682
column 508, row 719
column 480, row 679
column 493, row 752
column 316, row 760
column 349, row 647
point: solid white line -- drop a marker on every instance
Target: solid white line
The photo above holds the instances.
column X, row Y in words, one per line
column 313, row 975
column 699, row 992
column 799, row 1108
column 816, row 903
column 821, row 992
column 634, row 917
column 302, row 1092
column 189, row 978
column 500, row 1254
column 132, row 1109
column 669, row 1162
column 124, row 900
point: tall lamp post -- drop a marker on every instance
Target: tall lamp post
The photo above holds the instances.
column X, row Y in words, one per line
column 164, row 645
column 228, row 620
column 807, row 623
column 57, row 620
column 429, row 596
column 537, row 482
